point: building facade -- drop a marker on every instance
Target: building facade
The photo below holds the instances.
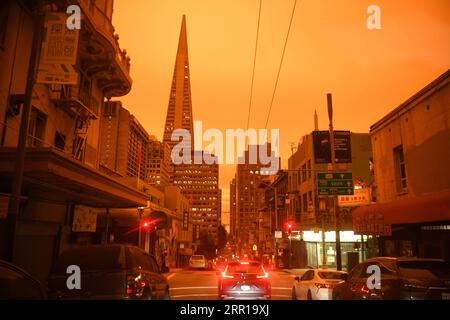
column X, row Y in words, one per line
column 63, row 181
column 313, row 214
column 411, row 151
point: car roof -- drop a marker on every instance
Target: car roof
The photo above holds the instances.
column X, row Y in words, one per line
column 328, row 270
column 396, row 259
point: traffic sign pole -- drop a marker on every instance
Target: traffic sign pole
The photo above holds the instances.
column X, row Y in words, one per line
column 334, row 199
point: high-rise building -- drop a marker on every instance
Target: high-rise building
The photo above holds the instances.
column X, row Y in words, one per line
column 199, row 182
column 159, row 164
column 179, row 112
column 247, row 191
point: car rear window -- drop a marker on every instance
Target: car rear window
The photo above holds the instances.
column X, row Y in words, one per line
column 422, row 269
column 91, row 259
column 245, row 268
column 198, row 258
column 330, row 275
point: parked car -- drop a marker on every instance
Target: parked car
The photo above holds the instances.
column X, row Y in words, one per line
column 197, row 261
column 17, row 284
column 400, row 279
column 244, row 280
column 316, row 284
column 109, row 272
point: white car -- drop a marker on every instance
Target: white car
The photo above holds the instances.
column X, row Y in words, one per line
column 197, row 262
column 316, row 284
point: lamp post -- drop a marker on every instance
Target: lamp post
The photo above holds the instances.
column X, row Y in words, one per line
column 263, row 185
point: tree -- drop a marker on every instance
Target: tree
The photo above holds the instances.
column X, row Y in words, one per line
column 222, row 237
column 207, row 246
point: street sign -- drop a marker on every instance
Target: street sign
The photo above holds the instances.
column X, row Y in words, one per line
column 335, row 184
column 360, row 197
column 278, row 234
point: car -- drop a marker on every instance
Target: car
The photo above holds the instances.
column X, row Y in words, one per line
column 109, row 272
column 197, row 261
column 244, row 280
column 17, row 284
column 316, row 284
column 399, row 279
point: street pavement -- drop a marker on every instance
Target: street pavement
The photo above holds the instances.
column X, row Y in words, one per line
column 188, row 284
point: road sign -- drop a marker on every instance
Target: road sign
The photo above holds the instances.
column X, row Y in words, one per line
column 335, row 184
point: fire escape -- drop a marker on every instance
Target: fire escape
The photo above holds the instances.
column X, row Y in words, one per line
column 79, row 103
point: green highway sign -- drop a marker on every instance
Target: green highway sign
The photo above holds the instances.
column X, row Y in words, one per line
column 335, row 184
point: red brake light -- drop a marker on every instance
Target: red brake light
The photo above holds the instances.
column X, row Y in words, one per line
column 323, row 286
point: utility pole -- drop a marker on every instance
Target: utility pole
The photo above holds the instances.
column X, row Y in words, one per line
column 334, row 198
column 16, row 191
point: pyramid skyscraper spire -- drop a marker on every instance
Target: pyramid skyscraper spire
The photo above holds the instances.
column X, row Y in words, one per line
column 179, row 111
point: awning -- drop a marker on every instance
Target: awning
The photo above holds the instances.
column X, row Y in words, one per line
column 377, row 219
column 54, row 176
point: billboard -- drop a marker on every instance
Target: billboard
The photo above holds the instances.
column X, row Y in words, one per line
column 59, row 51
column 342, row 146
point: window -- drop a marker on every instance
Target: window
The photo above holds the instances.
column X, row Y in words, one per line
column 60, row 140
column 400, row 168
column 309, row 275
column 36, row 128
column 304, row 172
column 309, row 169
column 305, row 202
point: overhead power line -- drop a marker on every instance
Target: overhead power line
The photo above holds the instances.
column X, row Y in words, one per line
column 281, row 64
column 254, row 65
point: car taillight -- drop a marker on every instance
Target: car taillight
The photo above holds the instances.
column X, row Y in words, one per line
column 135, row 285
column 323, row 286
column 227, row 276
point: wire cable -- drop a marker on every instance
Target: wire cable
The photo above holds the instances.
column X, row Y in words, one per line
column 254, row 65
column 281, row 64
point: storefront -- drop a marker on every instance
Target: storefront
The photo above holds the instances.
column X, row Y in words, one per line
column 416, row 226
column 350, row 247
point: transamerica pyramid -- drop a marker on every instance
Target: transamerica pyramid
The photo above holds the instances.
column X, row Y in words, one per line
column 179, row 111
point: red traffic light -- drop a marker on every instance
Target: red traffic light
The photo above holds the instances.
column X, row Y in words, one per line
column 289, row 226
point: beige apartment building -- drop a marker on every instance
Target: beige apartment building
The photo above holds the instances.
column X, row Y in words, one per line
column 411, row 153
column 65, row 194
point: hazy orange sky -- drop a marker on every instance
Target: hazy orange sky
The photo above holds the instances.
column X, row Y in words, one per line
column 330, row 49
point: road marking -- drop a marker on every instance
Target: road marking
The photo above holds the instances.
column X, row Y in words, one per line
column 190, row 288
column 281, row 288
column 170, row 276
column 194, row 295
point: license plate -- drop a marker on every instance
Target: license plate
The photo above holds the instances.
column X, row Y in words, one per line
column 245, row 288
column 445, row 296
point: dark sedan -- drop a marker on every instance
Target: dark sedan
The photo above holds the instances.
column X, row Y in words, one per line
column 400, row 279
column 244, row 280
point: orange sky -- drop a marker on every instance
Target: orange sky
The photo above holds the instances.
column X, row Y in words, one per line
column 330, row 49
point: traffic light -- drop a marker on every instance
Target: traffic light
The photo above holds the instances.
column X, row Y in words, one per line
column 289, row 226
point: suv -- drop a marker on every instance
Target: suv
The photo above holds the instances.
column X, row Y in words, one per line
column 109, row 272
column 400, row 279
